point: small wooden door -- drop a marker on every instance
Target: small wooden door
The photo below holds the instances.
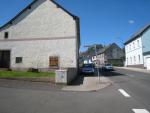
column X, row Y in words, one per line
column 53, row 62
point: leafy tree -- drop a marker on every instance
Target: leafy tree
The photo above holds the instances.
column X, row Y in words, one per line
column 92, row 49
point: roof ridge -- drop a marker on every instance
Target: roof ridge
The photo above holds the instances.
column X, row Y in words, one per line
column 28, row 6
column 138, row 33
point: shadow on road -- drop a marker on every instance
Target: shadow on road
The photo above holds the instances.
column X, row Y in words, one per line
column 80, row 78
column 111, row 73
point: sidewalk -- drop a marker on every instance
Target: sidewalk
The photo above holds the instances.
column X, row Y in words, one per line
column 135, row 69
column 89, row 84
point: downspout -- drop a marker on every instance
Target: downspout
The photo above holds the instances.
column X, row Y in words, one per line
column 142, row 50
column 77, row 40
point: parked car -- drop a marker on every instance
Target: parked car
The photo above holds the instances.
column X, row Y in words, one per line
column 88, row 69
column 107, row 67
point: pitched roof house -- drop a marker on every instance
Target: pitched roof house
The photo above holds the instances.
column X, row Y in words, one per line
column 110, row 54
column 137, row 49
column 44, row 35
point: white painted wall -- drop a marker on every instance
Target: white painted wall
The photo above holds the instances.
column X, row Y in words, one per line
column 101, row 59
column 94, row 58
column 146, row 58
column 36, row 53
column 133, row 50
column 43, row 20
column 42, row 31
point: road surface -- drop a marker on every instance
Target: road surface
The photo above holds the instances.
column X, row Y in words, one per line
column 129, row 93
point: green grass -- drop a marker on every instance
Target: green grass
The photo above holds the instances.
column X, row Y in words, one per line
column 10, row 74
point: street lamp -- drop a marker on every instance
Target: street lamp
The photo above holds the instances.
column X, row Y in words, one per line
column 94, row 45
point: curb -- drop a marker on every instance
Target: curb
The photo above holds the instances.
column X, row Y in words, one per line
column 134, row 69
column 32, row 79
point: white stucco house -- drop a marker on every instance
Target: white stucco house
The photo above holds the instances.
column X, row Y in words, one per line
column 44, row 35
column 137, row 49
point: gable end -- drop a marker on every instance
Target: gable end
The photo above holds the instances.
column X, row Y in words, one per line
column 29, row 7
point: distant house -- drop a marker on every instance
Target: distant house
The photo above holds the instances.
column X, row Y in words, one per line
column 137, row 49
column 110, row 54
column 85, row 58
column 44, row 35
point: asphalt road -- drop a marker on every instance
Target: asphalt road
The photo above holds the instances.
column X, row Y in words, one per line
column 136, row 84
column 25, row 97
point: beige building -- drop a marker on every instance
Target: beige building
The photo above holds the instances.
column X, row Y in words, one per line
column 44, row 36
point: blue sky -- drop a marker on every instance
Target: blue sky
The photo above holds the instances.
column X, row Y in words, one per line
column 102, row 21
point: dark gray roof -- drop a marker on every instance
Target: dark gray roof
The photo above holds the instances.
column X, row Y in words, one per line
column 33, row 2
column 104, row 49
column 107, row 47
column 138, row 33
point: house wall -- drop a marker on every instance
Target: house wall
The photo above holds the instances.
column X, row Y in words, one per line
column 145, row 60
column 114, row 52
column 134, row 53
column 36, row 53
column 42, row 31
column 146, row 46
column 146, row 41
column 101, row 58
column 43, row 20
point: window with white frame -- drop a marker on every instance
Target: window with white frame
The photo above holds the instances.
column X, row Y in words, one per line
column 133, row 45
column 139, row 58
column 138, row 43
column 134, row 60
column 130, row 46
column 130, row 60
column 127, row 61
column 127, row 48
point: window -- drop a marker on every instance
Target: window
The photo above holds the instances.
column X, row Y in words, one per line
column 130, row 46
column 139, row 58
column 131, row 60
column 53, row 62
column 18, row 59
column 133, row 45
column 138, row 43
column 6, row 35
column 127, row 61
column 134, row 60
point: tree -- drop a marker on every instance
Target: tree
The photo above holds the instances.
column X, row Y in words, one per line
column 92, row 49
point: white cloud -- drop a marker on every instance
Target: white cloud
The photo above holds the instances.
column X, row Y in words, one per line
column 131, row 21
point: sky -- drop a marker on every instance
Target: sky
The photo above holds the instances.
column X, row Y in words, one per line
column 101, row 21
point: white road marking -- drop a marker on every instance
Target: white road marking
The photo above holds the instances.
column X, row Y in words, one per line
column 140, row 111
column 123, row 92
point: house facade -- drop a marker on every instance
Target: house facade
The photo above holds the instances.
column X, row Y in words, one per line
column 137, row 49
column 134, row 54
column 44, row 35
column 110, row 54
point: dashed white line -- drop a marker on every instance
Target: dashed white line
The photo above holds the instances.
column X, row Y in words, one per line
column 140, row 111
column 124, row 93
